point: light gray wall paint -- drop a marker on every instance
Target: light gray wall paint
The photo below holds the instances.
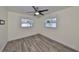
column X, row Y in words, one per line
column 3, row 28
column 14, row 29
column 67, row 31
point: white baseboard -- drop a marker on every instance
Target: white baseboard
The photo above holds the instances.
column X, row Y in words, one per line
column 3, row 47
column 16, row 38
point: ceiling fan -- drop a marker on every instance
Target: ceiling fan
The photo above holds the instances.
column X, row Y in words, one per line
column 37, row 11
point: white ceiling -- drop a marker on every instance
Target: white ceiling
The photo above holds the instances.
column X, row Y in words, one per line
column 25, row 9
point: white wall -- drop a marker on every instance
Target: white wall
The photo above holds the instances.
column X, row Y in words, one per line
column 67, row 31
column 3, row 28
column 14, row 29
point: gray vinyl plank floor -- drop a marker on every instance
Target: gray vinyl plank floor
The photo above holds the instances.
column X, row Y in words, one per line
column 36, row 43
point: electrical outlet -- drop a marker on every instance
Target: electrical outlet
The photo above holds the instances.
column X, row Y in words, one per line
column 2, row 22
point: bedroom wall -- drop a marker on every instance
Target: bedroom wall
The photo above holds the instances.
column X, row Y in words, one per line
column 14, row 29
column 3, row 28
column 67, row 31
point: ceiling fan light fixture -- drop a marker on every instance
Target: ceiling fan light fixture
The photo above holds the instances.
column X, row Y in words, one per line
column 36, row 13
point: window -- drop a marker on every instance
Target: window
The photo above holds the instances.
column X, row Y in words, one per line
column 26, row 22
column 51, row 23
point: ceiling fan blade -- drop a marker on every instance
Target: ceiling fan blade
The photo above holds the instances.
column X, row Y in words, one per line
column 43, row 10
column 41, row 13
column 34, row 8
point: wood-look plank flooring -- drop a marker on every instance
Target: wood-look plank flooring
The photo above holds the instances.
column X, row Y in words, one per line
column 35, row 43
